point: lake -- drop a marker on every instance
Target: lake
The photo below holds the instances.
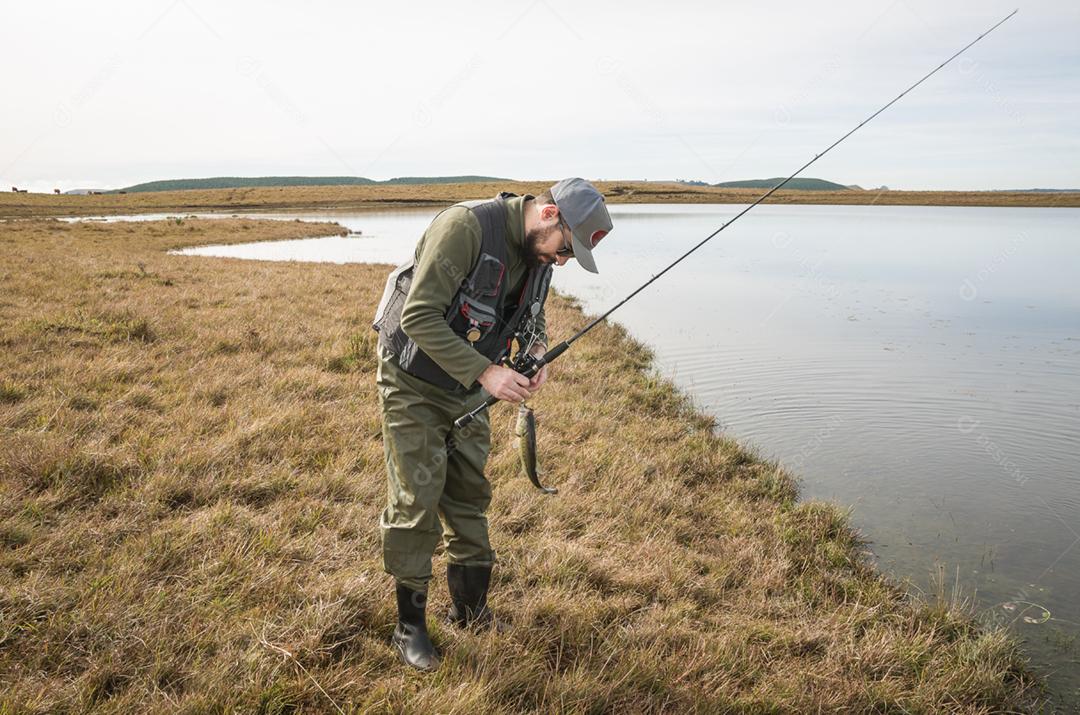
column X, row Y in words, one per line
column 919, row 364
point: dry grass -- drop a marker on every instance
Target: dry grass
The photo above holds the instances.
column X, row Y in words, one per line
column 191, row 475
column 359, row 197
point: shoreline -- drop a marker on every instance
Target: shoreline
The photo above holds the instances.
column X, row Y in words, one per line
column 421, row 195
column 166, row 410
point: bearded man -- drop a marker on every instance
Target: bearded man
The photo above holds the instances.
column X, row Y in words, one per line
column 478, row 278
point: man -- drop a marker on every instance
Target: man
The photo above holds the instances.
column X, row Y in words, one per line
column 479, row 277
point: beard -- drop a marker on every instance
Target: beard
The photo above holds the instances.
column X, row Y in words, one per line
column 533, row 239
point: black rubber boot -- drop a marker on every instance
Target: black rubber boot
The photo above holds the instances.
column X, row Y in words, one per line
column 468, row 587
column 410, row 636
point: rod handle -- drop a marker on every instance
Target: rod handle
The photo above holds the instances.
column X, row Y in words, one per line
column 472, row 414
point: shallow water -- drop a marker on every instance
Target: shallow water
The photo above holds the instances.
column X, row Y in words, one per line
column 920, row 364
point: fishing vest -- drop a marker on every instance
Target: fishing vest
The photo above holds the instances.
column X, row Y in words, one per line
column 482, row 312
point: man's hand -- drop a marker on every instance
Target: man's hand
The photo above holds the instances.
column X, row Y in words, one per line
column 505, row 384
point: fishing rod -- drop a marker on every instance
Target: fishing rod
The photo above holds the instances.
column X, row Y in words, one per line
column 529, row 365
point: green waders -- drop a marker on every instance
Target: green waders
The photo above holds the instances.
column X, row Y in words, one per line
column 424, row 484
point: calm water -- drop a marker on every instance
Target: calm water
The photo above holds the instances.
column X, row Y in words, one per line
column 921, row 365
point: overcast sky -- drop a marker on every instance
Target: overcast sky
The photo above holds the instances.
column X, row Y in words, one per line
column 108, row 94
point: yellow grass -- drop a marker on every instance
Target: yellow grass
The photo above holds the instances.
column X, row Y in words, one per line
column 359, row 197
column 191, row 474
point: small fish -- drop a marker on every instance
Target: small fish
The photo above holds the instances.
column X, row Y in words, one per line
column 525, row 430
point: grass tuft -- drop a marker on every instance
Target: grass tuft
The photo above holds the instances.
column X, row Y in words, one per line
column 116, row 327
column 13, row 535
column 10, row 393
column 359, row 356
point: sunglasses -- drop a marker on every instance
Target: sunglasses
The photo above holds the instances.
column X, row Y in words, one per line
column 567, row 248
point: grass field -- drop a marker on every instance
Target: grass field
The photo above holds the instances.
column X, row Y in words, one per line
column 191, row 474
column 383, row 196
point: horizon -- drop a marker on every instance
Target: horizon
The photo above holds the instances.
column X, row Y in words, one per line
column 182, row 89
column 79, row 189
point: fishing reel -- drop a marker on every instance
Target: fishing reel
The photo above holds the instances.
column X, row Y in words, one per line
column 524, row 363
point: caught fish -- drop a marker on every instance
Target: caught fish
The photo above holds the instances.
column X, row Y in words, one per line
column 525, row 430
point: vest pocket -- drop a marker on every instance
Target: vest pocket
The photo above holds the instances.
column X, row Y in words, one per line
column 477, row 315
column 484, row 281
column 478, row 300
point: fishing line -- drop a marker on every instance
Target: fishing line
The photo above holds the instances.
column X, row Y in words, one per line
column 529, row 366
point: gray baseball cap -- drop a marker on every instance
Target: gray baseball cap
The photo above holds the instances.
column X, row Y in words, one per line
column 582, row 208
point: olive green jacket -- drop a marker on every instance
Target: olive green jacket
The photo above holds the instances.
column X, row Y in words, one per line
column 444, row 257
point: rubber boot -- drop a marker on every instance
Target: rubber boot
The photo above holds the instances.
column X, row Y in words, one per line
column 411, row 636
column 468, row 587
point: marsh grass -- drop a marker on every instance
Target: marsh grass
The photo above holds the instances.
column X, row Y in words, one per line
column 191, row 475
column 403, row 195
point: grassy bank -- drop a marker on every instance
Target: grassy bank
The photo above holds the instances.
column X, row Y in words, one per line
column 191, row 475
column 383, row 196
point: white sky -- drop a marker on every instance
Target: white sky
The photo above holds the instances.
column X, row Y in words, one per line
column 108, row 94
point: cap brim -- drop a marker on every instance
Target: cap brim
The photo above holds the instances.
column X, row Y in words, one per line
column 583, row 253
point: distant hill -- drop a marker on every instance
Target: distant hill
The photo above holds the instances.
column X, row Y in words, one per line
column 796, row 183
column 441, row 179
column 1040, row 191
column 239, row 182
